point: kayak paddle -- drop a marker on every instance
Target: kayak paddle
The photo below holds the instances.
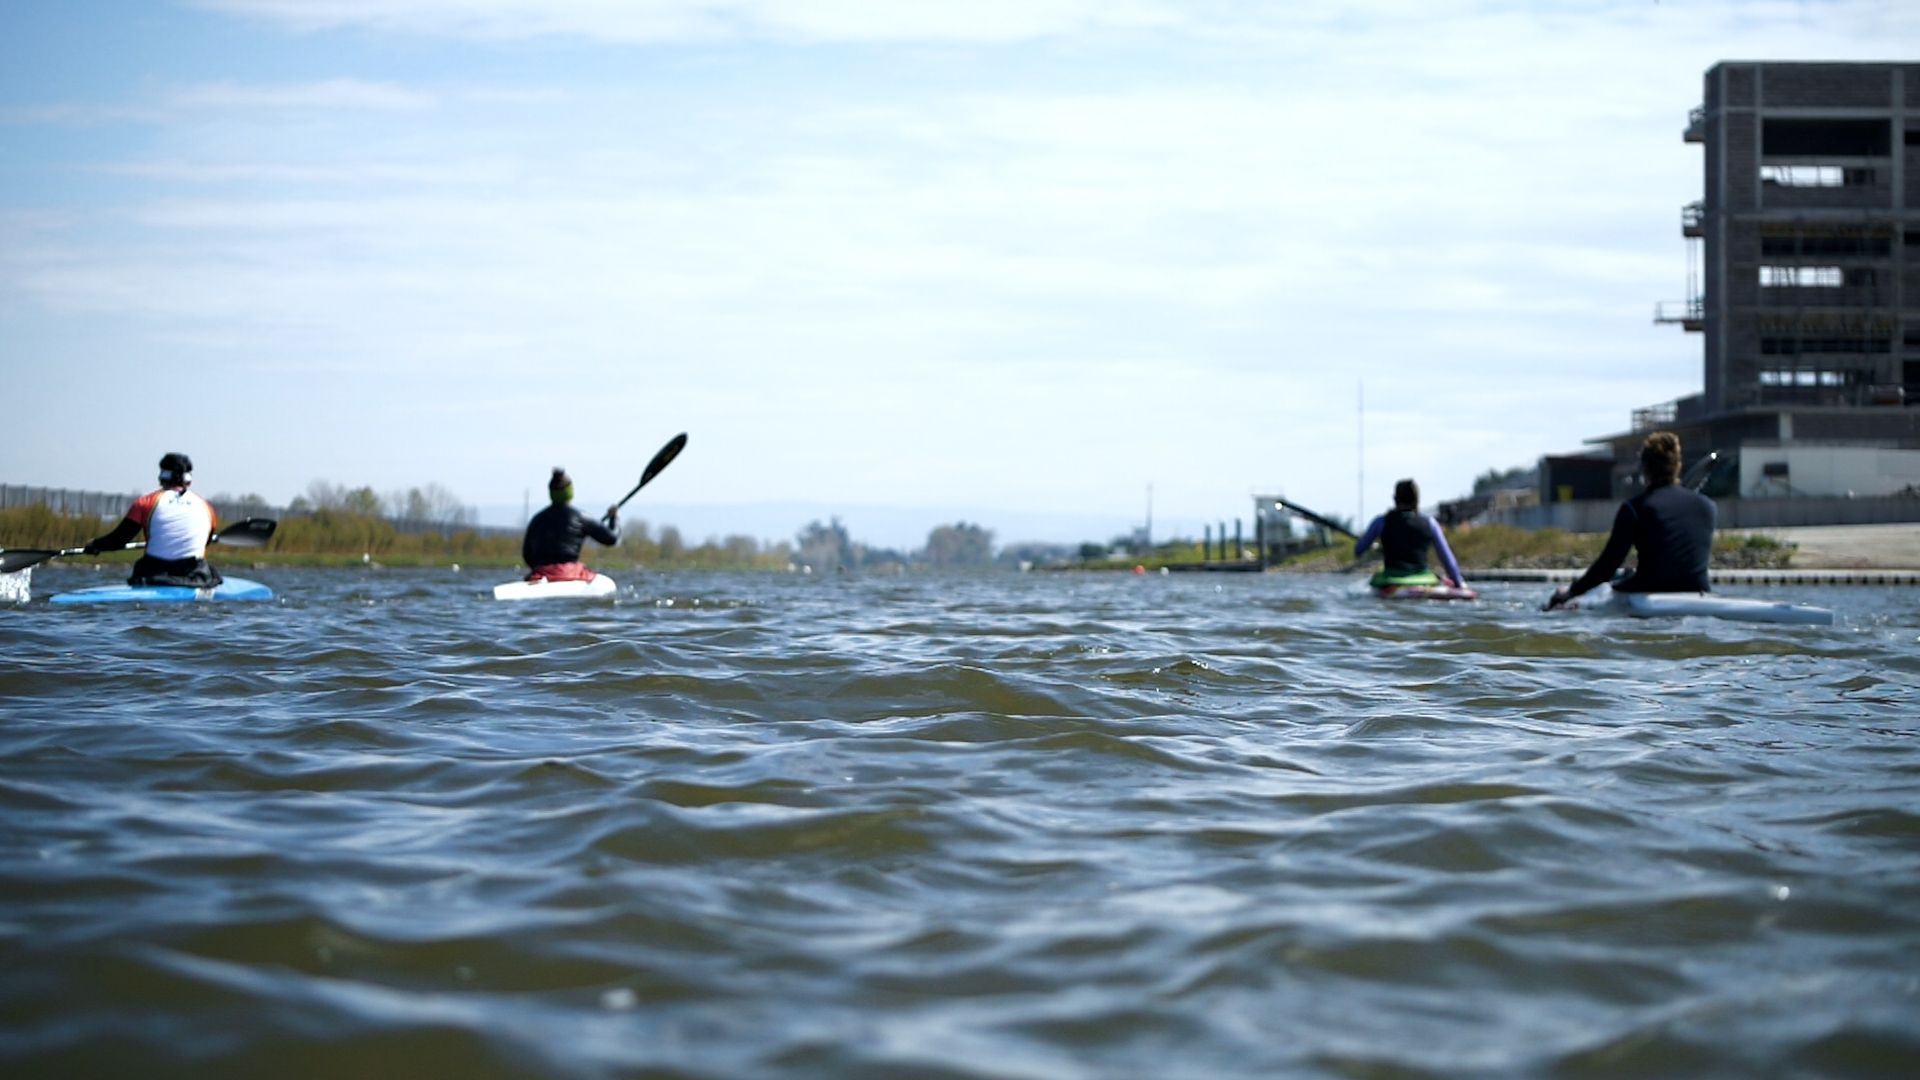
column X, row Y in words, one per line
column 251, row 532
column 1696, row 477
column 660, row 461
column 1324, row 523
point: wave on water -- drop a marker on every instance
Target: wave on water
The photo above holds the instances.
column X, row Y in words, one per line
column 998, row 826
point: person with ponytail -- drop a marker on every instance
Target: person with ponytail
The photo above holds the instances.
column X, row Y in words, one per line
column 1669, row 525
column 556, row 534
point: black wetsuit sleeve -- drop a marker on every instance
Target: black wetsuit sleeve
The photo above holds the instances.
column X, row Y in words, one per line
column 120, row 537
column 1619, row 541
column 599, row 531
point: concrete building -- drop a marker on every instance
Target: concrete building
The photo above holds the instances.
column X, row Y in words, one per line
column 1803, row 282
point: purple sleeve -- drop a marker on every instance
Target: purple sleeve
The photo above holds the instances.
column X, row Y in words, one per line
column 1446, row 553
column 1365, row 540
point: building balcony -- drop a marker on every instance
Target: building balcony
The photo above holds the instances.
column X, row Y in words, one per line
column 1690, row 314
column 1686, row 410
column 1696, row 125
column 1693, row 220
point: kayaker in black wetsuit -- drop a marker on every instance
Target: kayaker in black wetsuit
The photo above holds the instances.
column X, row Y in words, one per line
column 1406, row 536
column 555, row 535
column 1669, row 525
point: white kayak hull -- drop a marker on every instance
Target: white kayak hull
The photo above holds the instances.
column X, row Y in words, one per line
column 1739, row 609
column 600, row 586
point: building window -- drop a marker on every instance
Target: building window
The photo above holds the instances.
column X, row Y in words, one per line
column 1793, row 377
column 1804, row 277
column 1790, row 346
column 1827, row 246
column 1817, row 176
column 1801, row 175
column 1831, row 137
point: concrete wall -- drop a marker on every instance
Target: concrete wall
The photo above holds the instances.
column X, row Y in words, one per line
column 1827, row 471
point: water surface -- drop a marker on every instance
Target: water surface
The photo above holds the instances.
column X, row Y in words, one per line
column 997, row 826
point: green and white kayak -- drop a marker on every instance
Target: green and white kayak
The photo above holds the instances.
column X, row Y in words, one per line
column 231, row 589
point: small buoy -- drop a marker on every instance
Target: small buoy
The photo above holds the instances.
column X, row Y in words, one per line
column 1138, row 569
column 456, row 568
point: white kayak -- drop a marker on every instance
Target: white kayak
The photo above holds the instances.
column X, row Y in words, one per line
column 1665, row 605
column 601, row 585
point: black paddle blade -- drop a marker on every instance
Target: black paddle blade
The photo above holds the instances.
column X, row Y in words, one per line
column 250, row 532
column 21, row 558
column 1703, row 468
column 660, row 461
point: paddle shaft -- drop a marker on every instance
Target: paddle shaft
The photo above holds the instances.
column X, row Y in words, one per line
column 250, row 532
column 1324, row 523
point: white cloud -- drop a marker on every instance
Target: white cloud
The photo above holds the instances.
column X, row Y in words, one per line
column 1170, row 261
column 637, row 21
column 328, row 94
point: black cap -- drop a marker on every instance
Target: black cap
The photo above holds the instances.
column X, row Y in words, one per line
column 175, row 466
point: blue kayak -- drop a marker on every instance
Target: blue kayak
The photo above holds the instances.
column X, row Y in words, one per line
column 232, row 588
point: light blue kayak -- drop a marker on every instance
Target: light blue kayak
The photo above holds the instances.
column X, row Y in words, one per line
column 232, row 588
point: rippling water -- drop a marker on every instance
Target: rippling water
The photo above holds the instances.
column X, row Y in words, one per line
column 997, row 826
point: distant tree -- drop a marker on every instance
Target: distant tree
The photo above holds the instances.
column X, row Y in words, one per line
column 959, row 544
column 826, row 547
column 432, row 507
column 361, row 500
column 1090, row 551
column 636, row 540
column 322, row 495
column 867, row 558
column 235, row 507
column 671, row 546
column 1037, row 553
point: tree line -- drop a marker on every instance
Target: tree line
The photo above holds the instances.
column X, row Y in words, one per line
column 427, row 526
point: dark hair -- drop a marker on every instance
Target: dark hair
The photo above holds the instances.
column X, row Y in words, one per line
column 1406, row 495
column 1660, row 458
column 174, row 467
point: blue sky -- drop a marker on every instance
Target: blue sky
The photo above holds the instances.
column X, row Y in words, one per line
column 1009, row 261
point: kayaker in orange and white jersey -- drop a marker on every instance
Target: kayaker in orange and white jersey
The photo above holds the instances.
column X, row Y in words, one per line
column 178, row 524
column 556, row 534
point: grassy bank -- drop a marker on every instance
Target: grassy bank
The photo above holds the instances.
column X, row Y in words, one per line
column 339, row 538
